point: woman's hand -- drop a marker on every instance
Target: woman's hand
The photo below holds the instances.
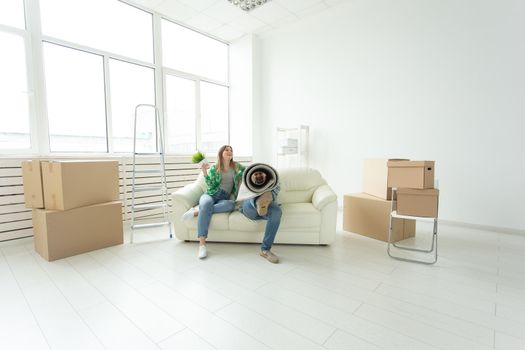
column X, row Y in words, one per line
column 204, row 168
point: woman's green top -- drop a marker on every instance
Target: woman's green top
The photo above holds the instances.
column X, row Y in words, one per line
column 213, row 180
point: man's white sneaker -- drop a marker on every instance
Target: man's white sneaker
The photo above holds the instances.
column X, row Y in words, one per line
column 202, row 252
column 189, row 214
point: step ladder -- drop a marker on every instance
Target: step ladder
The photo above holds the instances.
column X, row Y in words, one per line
column 153, row 172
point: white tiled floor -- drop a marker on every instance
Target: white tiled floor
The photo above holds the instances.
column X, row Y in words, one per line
column 156, row 294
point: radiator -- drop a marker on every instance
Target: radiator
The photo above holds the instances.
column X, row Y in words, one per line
column 15, row 218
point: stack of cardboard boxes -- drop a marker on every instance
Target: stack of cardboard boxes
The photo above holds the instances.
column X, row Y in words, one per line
column 75, row 206
column 414, row 180
column 368, row 213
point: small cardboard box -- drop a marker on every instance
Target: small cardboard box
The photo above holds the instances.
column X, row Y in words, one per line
column 32, row 177
column 411, row 174
column 59, row 234
column 73, row 184
column 375, row 177
column 417, row 202
column 370, row 216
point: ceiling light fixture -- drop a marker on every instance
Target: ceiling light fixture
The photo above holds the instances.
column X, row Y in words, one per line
column 248, row 5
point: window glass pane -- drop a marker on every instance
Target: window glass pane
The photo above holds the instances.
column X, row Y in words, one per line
column 75, row 100
column 108, row 25
column 146, row 129
column 12, row 13
column 188, row 51
column 14, row 106
column 180, row 111
column 130, row 85
column 214, row 116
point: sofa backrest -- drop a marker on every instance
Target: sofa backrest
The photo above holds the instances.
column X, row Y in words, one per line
column 298, row 185
column 201, row 182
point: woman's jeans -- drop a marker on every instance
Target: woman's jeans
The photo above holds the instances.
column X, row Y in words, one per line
column 218, row 203
column 273, row 218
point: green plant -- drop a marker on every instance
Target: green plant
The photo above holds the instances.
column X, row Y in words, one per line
column 197, row 157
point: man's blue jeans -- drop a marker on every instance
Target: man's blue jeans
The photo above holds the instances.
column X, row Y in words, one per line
column 218, row 203
column 273, row 218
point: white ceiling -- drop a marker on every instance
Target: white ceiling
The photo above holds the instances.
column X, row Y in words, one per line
column 228, row 22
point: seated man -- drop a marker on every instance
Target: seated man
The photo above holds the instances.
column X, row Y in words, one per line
column 264, row 207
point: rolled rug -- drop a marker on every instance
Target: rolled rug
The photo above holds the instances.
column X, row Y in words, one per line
column 250, row 188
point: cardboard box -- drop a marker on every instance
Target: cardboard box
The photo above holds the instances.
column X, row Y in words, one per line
column 74, row 184
column 417, row 202
column 32, row 178
column 375, row 177
column 411, row 174
column 370, row 216
column 59, row 234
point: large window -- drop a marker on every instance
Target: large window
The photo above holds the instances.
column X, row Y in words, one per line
column 214, row 116
column 77, row 87
column 187, row 118
column 130, row 85
column 108, row 25
column 181, row 115
column 196, row 77
column 14, row 94
column 188, row 51
column 75, row 100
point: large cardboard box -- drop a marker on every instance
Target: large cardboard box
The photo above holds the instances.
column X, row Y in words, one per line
column 411, row 174
column 59, row 234
column 417, row 202
column 370, row 216
column 32, row 178
column 73, row 184
column 375, row 177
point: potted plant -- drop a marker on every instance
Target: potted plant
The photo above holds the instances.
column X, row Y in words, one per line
column 199, row 157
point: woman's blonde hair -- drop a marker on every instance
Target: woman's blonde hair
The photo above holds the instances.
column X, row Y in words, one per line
column 220, row 163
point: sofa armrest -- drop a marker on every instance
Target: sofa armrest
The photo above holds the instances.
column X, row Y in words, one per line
column 187, row 197
column 322, row 196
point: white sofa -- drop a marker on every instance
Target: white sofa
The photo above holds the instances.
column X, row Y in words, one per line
column 308, row 204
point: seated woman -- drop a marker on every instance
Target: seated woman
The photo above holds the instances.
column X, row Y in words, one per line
column 222, row 180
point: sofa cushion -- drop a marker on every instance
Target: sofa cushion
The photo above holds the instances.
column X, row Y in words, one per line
column 302, row 216
column 298, row 185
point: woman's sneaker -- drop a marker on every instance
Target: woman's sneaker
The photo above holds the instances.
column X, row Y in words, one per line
column 263, row 202
column 271, row 257
column 202, row 252
column 189, row 214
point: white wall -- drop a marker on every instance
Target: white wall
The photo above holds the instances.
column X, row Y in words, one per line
column 436, row 80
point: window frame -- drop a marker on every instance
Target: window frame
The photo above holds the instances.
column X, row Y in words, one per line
column 38, row 118
column 197, row 79
column 198, row 115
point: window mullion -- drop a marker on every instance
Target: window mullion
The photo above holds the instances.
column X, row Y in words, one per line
column 198, row 121
column 229, row 97
column 38, row 108
column 159, row 78
column 107, row 95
